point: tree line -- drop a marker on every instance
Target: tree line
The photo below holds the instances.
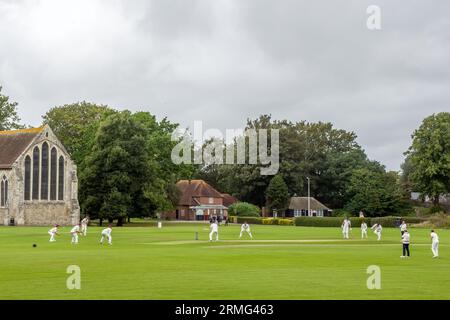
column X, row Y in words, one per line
column 125, row 167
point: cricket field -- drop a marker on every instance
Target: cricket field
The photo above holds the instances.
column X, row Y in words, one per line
column 282, row 262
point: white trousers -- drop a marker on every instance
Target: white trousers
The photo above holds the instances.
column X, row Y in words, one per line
column 249, row 233
column 52, row 236
column 345, row 233
column 84, row 230
column 378, row 233
column 211, row 235
column 364, row 234
column 435, row 248
column 106, row 236
column 74, row 238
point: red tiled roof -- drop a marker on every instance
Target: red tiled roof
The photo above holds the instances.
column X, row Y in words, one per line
column 191, row 189
column 13, row 144
column 228, row 199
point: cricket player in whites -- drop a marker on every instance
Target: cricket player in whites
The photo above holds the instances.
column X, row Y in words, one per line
column 364, row 230
column 377, row 229
column 74, row 232
column 84, row 226
column 245, row 228
column 106, row 233
column 403, row 227
column 346, row 225
column 434, row 244
column 53, row 232
column 214, row 228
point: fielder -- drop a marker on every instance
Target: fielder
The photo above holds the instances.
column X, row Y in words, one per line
column 74, row 232
column 403, row 227
column 245, row 228
column 106, row 233
column 84, row 226
column 214, row 229
column 53, row 232
column 364, row 230
column 434, row 244
column 405, row 241
column 346, row 228
column 377, row 229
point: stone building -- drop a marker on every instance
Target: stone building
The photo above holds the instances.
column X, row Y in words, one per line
column 38, row 180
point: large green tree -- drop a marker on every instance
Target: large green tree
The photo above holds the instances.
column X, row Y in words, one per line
column 376, row 193
column 9, row 119
column 117, row 170
column 429, row 156
column 316, row 150
column 76, row 125
column 129, row 172
column 277, row 194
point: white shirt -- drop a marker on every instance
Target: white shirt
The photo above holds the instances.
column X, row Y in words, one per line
column 364, row 226
column 245, row 227
column 214, row 227
column 84, row 221
column 53, row 230
column 107, row 231
column 405, row 238
column 377, row 228
column 403, row 227
column 346, row 224
column 434, row 237
column 75, row 229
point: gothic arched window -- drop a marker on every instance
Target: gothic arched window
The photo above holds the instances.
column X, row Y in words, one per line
column 27, row 195
column 3, row 192
column 53, row 173
column 61, row 177
column 44, row 172
column 36, row 158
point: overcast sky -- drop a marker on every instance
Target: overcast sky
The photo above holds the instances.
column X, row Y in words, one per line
column 223, row 61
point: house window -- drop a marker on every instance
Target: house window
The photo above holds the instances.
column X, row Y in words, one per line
column 297, row 213
column 44, row 172
column 3, row 192
column 211, row 200
column 36, row 158
column 53, row 173
column 27, row 195
column 61, row 179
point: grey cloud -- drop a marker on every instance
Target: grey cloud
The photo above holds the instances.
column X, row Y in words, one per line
column 223, row 61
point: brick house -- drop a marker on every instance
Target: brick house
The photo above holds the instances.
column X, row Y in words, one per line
column 199, row 201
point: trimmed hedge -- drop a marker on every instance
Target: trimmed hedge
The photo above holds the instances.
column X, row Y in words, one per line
column 250, row 220
column 334, row 222
column 389, row 222
column 278, row 221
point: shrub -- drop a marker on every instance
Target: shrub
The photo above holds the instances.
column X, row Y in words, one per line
column 244, row 209
column 278, row 221
column 436, row 209
column 285, row 222
column 232, row 219
column 336, row 222
column 318, row 221
column 341, row 213
column 250, row 220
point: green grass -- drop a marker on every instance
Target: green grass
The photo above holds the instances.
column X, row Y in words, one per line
column 148, row 263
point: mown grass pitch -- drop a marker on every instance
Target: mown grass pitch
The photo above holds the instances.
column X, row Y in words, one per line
column 281, row 263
